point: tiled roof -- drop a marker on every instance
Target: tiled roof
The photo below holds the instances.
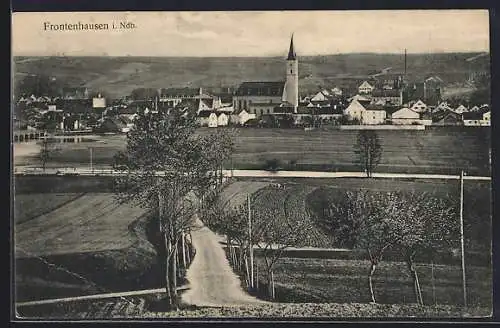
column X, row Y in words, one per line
column 261, row 89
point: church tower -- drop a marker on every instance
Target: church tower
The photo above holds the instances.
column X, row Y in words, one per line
column 291, row 91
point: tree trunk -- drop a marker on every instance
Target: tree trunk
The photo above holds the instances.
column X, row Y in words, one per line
column 269, row 284
column 184, row 262
column 167, row 267
column 417, row 282
column 273, row 295
column 413, row 273
column 174, row 271
column 373, row 266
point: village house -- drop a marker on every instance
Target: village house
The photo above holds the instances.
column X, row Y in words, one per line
column 365, row 113
column 408, row 116
column 355, row 110
column 419, row 106
column 242, row 117
column 365, row 88
column 477, row 118
column 373, row 115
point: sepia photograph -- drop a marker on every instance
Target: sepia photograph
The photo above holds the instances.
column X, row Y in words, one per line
column 242, row 165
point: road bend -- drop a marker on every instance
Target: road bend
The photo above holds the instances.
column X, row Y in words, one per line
column 212, row 281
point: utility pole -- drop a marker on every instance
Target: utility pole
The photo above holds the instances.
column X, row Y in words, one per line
column 250, row 241
column 462, row 234
column 91, row 168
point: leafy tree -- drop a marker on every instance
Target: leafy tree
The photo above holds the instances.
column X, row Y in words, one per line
column 165, row 162
column 368, row 149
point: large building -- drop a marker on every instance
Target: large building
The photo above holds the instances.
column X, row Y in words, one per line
column 262, row 98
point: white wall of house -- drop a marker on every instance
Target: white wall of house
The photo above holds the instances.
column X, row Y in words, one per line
column 222, row 120
column 354, row 110
column 244, row 116
column 371, row 117
column 212, row 120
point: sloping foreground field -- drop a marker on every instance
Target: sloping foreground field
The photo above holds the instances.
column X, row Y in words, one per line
column 92, row 222
column 91, row 244
column 438, row 150
column 27, row 207
column 137, row 308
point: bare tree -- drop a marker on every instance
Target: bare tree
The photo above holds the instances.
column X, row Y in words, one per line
column 427, row 224
column 47, row 151
column 164, row 162
column 368, row 149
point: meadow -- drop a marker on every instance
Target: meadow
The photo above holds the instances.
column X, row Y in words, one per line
column 435, row 150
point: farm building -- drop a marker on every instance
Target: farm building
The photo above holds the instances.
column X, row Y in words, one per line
column 405, row 116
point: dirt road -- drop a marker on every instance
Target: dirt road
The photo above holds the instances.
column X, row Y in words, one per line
column 211, row 279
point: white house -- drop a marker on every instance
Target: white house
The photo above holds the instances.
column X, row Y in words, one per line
column 355, row 110
column 366, row 114
column 222, row 119
column 244, row 116
column 359, row 97
column 365, row 88
column 419, row 107
column 404, row 116
column 322, row 95
column 212, row 120
column 373, row 116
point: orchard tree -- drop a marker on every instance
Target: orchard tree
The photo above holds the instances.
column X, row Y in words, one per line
column 426, row 224
column 164, row 163
column 274, row 230
column 368, row 149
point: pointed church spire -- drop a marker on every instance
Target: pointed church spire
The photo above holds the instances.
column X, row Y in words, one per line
column 291, row 53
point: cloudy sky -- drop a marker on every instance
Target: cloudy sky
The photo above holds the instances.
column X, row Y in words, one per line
column 253, row 33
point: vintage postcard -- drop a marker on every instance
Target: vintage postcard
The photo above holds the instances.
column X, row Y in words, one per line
column 251, row 164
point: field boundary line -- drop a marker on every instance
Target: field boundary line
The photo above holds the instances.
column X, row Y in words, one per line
column 98, row 296
column 79, row 195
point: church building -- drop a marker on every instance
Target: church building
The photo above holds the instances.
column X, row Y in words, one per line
column 261, row 98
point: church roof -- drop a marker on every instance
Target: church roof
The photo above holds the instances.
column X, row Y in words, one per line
column 291, row 52
column 261, row 89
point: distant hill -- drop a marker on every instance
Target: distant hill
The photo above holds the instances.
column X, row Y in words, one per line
column 118, row 76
